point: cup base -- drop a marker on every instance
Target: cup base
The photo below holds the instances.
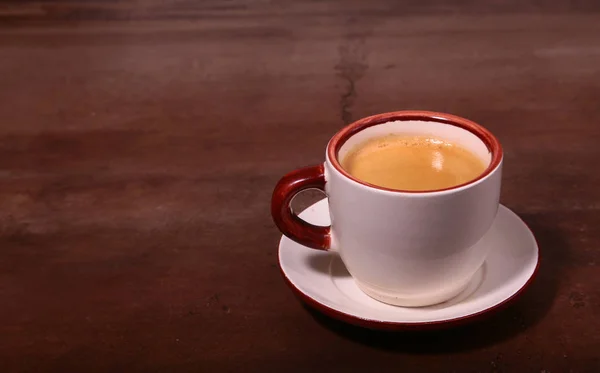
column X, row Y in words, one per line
column 409, row 302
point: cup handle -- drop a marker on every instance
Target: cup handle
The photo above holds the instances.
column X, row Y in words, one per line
column 287, row 221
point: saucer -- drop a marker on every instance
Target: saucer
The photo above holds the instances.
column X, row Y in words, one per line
column 321, row 280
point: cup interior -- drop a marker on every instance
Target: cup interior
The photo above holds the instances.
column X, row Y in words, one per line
column 452, row 134
column 460, row 131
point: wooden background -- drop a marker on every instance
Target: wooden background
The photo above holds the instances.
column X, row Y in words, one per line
column 140, row 142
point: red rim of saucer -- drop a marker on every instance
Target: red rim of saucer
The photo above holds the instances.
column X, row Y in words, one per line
column 424, row 325
column 340, row 138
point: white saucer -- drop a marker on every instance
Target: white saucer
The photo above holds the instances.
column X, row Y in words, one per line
column 321, row 280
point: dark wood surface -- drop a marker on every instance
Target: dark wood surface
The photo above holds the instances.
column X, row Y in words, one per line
column 140, row 142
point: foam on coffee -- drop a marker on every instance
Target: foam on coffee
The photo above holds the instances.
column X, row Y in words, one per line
column 412, row 163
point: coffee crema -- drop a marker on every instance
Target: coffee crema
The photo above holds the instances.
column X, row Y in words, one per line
column 412, row 163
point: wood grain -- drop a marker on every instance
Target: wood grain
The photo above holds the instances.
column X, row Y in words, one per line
column 140, row 142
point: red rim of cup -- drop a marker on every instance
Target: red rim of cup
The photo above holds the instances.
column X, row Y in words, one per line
column 483, row 134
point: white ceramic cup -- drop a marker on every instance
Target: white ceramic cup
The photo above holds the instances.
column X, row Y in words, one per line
column 401, row 247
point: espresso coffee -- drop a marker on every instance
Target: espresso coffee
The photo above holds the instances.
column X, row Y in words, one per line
column 412, row 163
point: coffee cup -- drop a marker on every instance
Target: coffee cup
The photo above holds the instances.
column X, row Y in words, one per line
column 402, row 247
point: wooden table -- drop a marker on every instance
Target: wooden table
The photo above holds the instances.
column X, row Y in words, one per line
column 140, row 141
